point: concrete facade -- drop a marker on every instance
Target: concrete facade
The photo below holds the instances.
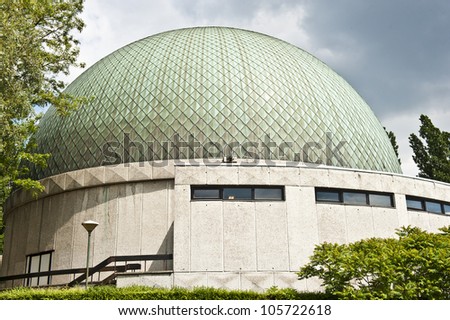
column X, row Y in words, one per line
column 147, row 209
column 135, row 215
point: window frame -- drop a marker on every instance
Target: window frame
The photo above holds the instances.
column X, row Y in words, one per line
column 367, row 194
column 206, row 188
column 246, row 189
column 29, row 266
column 328, row 190
column 391, row 196
column 447, row 213
column 281, row 189
column 223, row 188
column 422, row 203
column 424, row 208
column 430, row 204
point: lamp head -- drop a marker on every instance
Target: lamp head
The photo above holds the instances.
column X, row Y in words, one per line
column 89, row 225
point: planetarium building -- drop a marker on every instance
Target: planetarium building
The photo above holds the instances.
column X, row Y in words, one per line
column 209, row 156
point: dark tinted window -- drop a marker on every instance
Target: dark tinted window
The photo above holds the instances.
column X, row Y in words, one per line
column 354, row 198
column 268, row 194
column 206, row 194
column 363, row 198
column 429, row 205
column 380, row 200
column 414, row 204
column 434, row 207
column 447, row 208
column 331, row 196
column 237, row 193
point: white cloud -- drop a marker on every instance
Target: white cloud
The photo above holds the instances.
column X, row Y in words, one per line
column 285, row 24
column 114, row 24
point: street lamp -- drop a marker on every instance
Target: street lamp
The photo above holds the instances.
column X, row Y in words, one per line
column 89, row 225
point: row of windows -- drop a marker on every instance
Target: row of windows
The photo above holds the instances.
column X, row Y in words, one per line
column 272, row 193
column 363, row 198
column 324, row 195
column 378, row 199
column 422, row 204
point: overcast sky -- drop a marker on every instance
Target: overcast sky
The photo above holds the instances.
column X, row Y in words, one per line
column 395, row 53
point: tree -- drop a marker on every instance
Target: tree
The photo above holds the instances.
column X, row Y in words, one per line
column 414, row 266
column 1, row 232
column 37, row 46
column 433, row 156
column 393, row 139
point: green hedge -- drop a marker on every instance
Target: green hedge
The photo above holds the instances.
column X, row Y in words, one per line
column 148, row 293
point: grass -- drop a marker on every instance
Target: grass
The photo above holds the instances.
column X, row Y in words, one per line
column 150, row 293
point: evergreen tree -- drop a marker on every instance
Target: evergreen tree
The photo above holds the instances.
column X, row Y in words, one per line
column 393, row 139
column 432, row 154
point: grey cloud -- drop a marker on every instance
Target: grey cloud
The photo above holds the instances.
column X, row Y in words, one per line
column 389, row 50
column 232, row 10
column 404, row 45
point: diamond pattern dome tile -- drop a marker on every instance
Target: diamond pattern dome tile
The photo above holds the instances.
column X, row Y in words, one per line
column 221, row 85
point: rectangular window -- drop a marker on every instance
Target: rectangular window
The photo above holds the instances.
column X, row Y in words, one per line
column 328, row 196
column 237, row 193
column 429, row 205
column 447, row 208
column 355, row 198
column 246, row 193
column 434, row 207
column 207, row 193
column 414, row 204
column 40, row 262
column 268, row 194
column 380, row 200
column 33, row 266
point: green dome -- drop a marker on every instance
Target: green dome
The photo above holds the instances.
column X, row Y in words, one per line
column 215, row 86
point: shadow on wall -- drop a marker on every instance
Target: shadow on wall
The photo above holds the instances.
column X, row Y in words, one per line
column 54, row 223
column 165, row 248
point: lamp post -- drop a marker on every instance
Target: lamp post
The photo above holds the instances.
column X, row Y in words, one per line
column 89, row 225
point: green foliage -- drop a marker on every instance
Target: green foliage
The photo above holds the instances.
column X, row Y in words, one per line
column 393, row 139
column 36, row 46
column 414, row 266
column 149, row 293
column 432, row 155
column 1, row 230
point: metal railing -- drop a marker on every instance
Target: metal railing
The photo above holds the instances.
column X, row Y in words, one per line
column 101, row 267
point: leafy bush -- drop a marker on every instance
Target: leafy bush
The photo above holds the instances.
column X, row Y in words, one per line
column 148, row 293
column 414, row 266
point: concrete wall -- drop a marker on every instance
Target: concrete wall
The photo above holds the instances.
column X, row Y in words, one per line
column 134, row 218
column 233, row 244
column 255, row 245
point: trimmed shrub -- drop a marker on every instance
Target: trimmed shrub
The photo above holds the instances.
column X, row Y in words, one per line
column 149, row 293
